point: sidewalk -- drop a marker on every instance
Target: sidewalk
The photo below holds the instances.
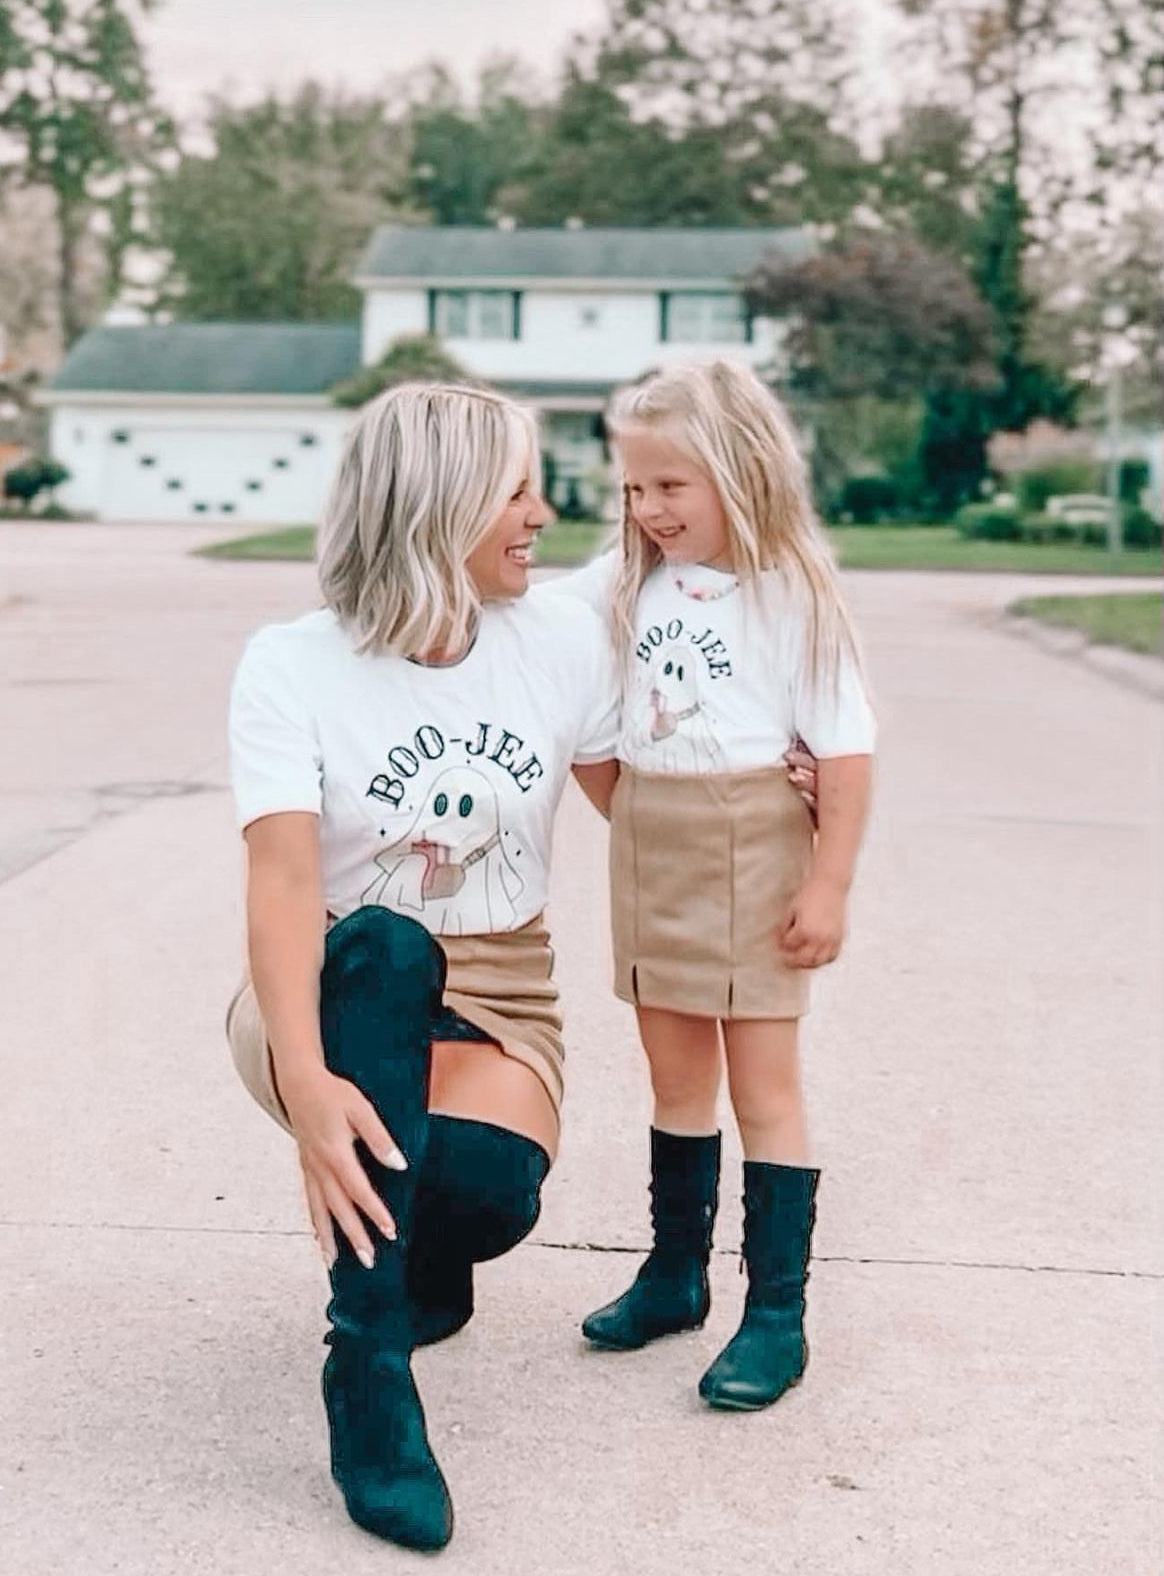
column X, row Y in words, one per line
column 983, row 1076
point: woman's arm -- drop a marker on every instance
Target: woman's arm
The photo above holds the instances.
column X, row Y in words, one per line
column 285, row 928
column 597, row 781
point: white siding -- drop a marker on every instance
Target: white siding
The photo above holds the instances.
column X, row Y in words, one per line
column 580, row 335
column 211, row 452
column 387, row 315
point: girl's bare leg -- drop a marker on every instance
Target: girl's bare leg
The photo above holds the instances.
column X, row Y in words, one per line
column 763, row 1062
column 684, row 1057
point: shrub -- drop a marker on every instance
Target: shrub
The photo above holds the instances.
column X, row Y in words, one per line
column 867, row 499
column 413, row 358
column 1139, row 528
column 1068, row 476
column 1134, row 478
column 32, row 477
column 989, row 522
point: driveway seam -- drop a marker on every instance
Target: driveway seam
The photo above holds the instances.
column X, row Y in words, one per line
column 601, row 1247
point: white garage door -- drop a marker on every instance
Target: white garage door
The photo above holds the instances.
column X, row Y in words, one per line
column 265, row 475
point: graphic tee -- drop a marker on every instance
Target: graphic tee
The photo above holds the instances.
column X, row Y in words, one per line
column 720, row 679
column 436, row 787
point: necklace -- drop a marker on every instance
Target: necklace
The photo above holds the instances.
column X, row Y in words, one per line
column 704, row 593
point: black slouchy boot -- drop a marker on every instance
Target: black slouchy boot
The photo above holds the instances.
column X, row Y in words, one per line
column 381, row 977
column 768, row 1353
column 670, row 1293
column 481, row 1195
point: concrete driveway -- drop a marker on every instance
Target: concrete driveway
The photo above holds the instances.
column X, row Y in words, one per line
column 984, row 1078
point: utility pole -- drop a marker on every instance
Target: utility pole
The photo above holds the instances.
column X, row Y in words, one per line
column 1114, row 403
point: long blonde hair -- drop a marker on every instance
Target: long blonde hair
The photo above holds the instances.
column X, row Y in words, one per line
column 425, row 471
column 737, row 431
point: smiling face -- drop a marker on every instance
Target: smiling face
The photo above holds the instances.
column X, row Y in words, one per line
column 499, row 564
column 673, row 501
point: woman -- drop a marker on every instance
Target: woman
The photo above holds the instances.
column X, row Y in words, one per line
column 397, row 758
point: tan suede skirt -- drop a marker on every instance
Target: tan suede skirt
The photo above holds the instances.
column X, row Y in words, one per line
column 702, row 871
column 502, row 984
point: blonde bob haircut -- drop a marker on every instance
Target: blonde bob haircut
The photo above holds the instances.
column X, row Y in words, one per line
column 736, row 430
column 424, row 473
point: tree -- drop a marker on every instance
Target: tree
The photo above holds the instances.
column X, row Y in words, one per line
column 77, row 112
column 877, row 315
column 468, row 166
column 728, row 112
column 269, row 224
column 413, row 358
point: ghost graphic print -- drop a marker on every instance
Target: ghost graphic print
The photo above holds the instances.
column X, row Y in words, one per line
column 451, row 868
column 672, row 722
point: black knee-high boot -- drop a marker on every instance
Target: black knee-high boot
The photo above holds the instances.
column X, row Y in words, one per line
column 670, row 1292
column 768, row 1353
column 382, row 976
column 480, row 1196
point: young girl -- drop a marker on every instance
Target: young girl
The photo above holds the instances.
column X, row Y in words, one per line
column 733, row 639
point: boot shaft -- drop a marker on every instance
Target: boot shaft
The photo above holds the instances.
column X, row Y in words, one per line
column 684, row 1193
column 779, row 1215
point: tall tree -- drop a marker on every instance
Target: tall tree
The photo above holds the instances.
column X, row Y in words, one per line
column 76, row 110
column 758, row 89
column 471, row 163
column 270, row 223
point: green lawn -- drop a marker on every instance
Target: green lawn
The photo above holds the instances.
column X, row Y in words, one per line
column 943, row 547
column 858, row 547
column 1131, row 619
column 564, row 544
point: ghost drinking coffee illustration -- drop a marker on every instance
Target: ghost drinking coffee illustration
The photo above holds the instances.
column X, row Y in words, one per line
column 452, row 866
column 672, row 720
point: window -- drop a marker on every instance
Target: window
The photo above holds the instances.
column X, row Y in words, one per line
column 200, row 508
column 227, row 508
column 120, row 436
column 174, row 484
column 254, row 486
column 308, row 440
column 475, row 314
column 697, row 317
column 281, row 464
column 147, row 460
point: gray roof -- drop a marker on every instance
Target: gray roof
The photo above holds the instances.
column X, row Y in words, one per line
column 666, row 255
column 212, row 358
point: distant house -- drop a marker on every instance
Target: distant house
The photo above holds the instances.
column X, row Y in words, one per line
column 221, row 421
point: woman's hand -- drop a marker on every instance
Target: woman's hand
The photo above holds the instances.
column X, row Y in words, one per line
column 328, row 1115
column 801, row 763
column 815, row 928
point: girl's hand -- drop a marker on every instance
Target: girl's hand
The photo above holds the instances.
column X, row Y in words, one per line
column 328, row 1115
column 801, row 764
column 815, row 928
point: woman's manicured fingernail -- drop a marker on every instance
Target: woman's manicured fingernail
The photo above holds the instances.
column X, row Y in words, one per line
column 396, row 1161
column 366, row 1257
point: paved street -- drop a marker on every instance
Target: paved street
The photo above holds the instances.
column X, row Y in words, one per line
column 984, row 1079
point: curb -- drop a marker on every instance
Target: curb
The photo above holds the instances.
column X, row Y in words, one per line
column 1130, row 669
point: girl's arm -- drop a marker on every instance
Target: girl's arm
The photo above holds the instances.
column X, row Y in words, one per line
column 815, row 928
column 597, row 781
column 285, row 927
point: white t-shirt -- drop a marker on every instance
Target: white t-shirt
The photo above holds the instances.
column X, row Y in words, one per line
column 435, row 786
column 719, row 678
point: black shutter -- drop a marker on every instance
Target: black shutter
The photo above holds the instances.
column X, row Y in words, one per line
column 432, row 295
column 517, row 314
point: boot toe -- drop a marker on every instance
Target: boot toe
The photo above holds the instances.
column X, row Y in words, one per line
column 415, row 1512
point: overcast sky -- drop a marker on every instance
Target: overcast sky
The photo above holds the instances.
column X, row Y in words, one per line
column 196, row 46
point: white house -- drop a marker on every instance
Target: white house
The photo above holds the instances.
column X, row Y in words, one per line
column 235, row 421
